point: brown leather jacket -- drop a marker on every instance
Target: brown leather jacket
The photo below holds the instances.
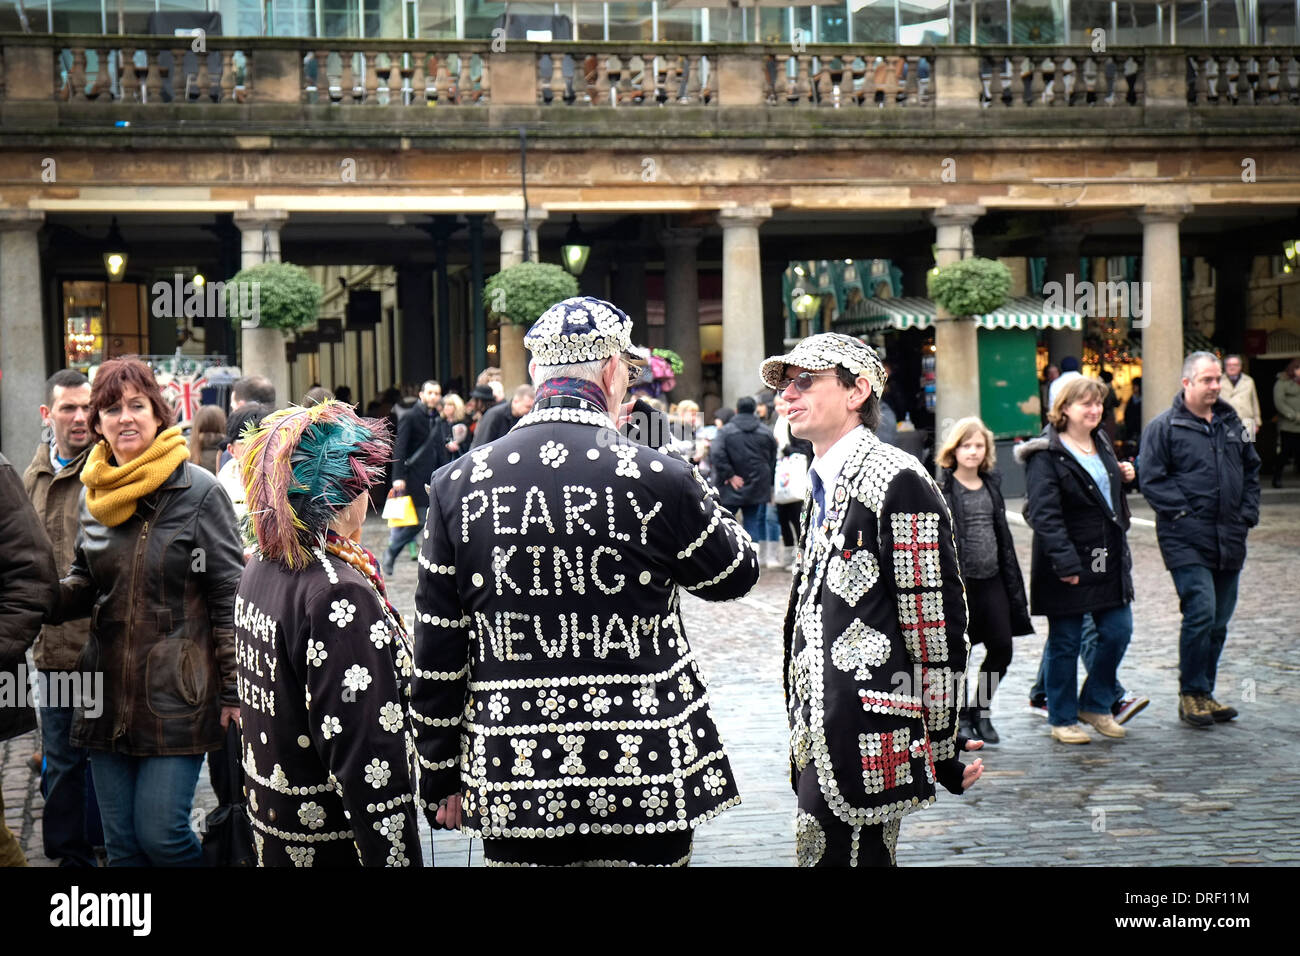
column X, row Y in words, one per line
column 56, row 496
column 26, row 589
column 160, row 590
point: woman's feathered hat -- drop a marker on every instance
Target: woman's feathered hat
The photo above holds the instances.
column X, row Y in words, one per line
column 304, row 465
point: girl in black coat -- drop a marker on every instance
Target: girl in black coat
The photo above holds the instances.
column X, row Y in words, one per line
column 1081, row 561
column 995, row 589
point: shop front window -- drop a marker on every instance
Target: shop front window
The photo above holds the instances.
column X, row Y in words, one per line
column 1136, row 24
column 102, row 320
column 773, row 25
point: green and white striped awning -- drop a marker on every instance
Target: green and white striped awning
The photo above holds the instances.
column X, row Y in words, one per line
column 917, row 312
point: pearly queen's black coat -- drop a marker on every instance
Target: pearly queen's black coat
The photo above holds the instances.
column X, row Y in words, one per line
column 875, row 638
column 324, row 676
column 554, row 684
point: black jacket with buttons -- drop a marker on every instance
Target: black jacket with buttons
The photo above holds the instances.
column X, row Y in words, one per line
column 554, row 684
column 1074, row 531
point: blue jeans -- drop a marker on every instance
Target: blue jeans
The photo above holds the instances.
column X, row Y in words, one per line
column 145, row 803
column 1064, row 635
column 772, row 524
column 398, row 538
column 1087, row 652
column 753, row 518
column 70, row 822
column 1207, row 599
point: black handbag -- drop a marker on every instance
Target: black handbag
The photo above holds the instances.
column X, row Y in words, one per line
column 228, row 833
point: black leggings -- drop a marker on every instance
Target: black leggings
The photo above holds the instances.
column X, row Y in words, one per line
column 1290, row 452
column 990, row 625
column 788, row 516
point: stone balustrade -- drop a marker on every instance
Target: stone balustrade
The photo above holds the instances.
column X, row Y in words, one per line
column 1262, row 76
column 139, row 71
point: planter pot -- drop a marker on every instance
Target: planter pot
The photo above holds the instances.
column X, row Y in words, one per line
column 514, row 357
column 261, row 352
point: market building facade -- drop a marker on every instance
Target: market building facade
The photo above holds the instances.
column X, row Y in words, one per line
column 736, row 176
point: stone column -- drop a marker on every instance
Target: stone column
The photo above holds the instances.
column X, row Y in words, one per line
column 262, row 350
column 742, row 301
column 1162, row 319
column 956, row 347
column 1062, row 248
column 22, row 336
column 511, row 224
column 682, row 306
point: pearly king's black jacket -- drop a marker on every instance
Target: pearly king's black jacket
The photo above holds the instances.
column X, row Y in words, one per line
column 875, row 638
column 554, row 684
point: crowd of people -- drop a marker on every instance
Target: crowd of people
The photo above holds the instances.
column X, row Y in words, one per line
column 545, row 698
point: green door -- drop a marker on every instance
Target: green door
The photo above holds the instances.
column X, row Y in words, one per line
column 1009, row 401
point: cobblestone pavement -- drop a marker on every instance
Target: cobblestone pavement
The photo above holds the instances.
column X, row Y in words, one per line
column 1165, row 795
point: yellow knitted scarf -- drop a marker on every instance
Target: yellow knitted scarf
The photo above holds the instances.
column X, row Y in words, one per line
column 112, row 490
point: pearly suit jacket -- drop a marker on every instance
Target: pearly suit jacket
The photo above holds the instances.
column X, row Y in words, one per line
column 875, row 638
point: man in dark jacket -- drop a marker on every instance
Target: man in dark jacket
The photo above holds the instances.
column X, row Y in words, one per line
column 27, row 589
column 421, row 447
column 500, row 418
column 53, row 483
column 744, row 466
column 1200, row 475
column 555, row 691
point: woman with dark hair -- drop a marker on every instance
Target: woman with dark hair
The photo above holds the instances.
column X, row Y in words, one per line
column 156, row 567
column 324, row 657
column 207, row 432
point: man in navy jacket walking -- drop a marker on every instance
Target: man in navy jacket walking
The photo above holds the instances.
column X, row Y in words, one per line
column 1200, row 474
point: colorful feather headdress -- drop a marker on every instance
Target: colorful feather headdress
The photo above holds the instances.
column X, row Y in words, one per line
column 303, row 465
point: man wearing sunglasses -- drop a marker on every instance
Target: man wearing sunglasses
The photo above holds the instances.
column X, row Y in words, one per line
column 875, row 643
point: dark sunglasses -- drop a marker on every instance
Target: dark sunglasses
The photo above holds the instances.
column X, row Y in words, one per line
column 803, row 381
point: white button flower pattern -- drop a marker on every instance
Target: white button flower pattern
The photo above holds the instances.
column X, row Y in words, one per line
column 390, row 717
column 342, row 611
column 645, row 700
column 330, row 726
column 502, row 809
column 498, row 706
column 714, row 781
column 553, row 453
column 379, row 635
column 377, row 773
column 312, row 815
column 597, row 701
column 654, row 801
column 600, row 803
column 316, row 653
column 550, row 703
column 551, row 806
column 357, row 678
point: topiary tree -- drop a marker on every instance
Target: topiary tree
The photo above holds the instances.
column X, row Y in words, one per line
column 520, row 294
column 279, row 295
column 970, row 286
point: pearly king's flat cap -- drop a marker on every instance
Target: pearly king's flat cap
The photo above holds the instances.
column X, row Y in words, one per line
column 826, row 350
column 581, row 329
